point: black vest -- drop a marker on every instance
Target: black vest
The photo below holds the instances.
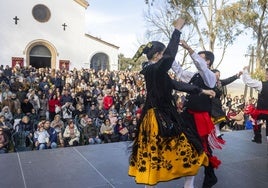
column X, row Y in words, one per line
column 198, row 102
column 262, row 103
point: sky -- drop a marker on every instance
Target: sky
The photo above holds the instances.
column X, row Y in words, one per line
column 121, row 22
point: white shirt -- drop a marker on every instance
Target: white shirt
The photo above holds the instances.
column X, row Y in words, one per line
column 207, row 75
column 41, row 136
column 250, row 82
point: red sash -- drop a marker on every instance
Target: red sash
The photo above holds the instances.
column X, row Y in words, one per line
column 206, row 131
column 254, row 112
column 203, row 122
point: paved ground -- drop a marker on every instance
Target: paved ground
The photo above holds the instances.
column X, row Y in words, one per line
column 244, row 165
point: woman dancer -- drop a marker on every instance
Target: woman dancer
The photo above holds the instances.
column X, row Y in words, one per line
column 157, row 158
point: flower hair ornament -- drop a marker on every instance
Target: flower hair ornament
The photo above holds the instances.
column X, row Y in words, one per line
column 142, row 49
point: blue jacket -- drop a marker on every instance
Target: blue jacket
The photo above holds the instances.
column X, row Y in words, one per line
column 52, row 134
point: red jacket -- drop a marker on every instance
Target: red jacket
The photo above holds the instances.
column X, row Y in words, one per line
column 108, row 101
column 52, row 103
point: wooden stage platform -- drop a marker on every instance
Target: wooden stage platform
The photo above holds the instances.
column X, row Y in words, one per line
column 244, row 165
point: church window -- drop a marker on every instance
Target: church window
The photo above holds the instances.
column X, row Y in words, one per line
column 41, row 13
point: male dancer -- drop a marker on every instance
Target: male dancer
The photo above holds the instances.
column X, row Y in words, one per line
column 217, row 113
column 261, row 111
column 197, row 108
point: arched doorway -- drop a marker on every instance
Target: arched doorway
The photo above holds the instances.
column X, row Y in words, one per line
column 40, row 57
column 41, row 48
column 100, row 61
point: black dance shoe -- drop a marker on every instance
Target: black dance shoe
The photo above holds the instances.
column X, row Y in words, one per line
column 210, row 177
column 258, row 141
column 209, row 182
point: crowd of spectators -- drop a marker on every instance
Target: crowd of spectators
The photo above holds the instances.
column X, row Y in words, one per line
column 46, row 108
column 234, row 108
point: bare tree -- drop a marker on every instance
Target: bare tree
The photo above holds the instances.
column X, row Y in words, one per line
column 208, row 20
column 125, row 63
column 253, row 15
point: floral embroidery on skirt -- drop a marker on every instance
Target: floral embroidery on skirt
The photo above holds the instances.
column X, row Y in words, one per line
column 157, row 160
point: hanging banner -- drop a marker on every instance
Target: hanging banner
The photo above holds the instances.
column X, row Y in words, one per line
column 17, row 61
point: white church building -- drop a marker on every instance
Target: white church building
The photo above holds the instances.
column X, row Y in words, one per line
column 51, row 33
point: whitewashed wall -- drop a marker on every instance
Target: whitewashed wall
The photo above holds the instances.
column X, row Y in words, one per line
column 71, row 44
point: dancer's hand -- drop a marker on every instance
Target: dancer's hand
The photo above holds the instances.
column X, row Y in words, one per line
column 209, row 92
column 179, row 23
column 184, row 44
column 239, row 74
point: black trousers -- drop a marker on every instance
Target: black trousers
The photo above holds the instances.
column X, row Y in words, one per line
column 257, row 128
column 210, row 177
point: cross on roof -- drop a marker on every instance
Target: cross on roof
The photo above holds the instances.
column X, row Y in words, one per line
column 16, row 20
column 64, row 26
